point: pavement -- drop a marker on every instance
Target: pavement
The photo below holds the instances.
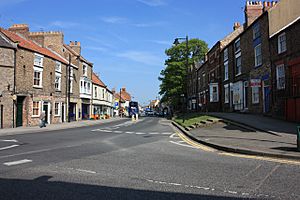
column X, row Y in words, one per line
column 249, row 134
column 53, row 127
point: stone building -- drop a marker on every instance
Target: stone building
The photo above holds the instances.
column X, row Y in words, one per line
column 39, row 80
column 7, row 86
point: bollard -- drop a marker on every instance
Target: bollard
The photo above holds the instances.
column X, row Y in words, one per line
column 136, row 117
column 298, row 138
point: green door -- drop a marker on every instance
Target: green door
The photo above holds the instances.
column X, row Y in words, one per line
column 19, row 120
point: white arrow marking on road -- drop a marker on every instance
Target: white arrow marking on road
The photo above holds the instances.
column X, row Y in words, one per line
column 9, row 147
column 17, row 162
column 9, row 140
column 185, row 145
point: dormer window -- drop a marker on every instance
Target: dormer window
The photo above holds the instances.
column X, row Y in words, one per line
column 38, row 60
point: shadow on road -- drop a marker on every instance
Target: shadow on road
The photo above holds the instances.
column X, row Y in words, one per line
column 43, row 188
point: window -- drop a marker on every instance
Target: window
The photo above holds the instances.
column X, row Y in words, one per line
column 226, row 71
column 84, row 70
column 203, row 79
column 71, row 71
column 226, row 93
column 57, row 109
column 37, row 77
column 38, row 60
column 57, row 83
column 58, row 67
column 280, row 77
column 238, row 64
column 255, row 95
column 237, row 45
column 258, row 55
column 95, row 89
column 35, row 108
column 226, row 54
column 103, row 94
column 214, row 92
column 282, row 43
column 256, row 31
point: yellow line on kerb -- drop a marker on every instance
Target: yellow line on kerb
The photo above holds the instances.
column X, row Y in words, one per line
column 194, row 144
column 277, row 160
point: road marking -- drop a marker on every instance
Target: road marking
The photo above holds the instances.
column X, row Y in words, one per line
column 86, row 171
column 128, row 132
column 9, row 147
column 139, row 133
column 199, row 146
column 174, row 135
column 268, row 175
column 166, row 133
column 9, row 140
column 18, row 162
column 154, row 133
column 185, row 145
column 118, row 131
column 277, row 160
column 251, row 171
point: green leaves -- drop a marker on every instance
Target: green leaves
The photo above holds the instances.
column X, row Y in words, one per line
column 173, row 77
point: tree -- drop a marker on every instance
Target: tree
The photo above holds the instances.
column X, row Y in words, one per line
column 173, row 77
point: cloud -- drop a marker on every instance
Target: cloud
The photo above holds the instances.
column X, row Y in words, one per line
column 141, row 57
column 114, row 20
column 163, row 42
column 63, row 25
column 145, row 25
column 153, row 3
column 101, row 49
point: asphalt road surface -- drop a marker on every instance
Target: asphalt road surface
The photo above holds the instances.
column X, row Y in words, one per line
column 134, row 160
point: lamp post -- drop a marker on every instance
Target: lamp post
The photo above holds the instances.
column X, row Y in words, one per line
column 176, row 42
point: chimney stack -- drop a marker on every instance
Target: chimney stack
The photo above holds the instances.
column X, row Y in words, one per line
column 22, row 29
column 236, row 25
column 75, row 45
column 253, row 10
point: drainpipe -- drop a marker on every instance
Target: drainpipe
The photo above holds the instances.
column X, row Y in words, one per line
column 14, row 88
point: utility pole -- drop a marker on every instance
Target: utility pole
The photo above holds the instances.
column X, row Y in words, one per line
column 69, row 89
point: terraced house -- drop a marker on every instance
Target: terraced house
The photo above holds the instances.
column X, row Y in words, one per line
column 37, row 87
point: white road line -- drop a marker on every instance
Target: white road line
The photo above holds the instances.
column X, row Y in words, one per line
column 154, row 133
column 107, row 131
column 174, row 135
column 166, row 133
column 118, row 131
column 18, row 162
column 139, row 133
column 9, row 140
column 87, row 171
column 185, row 145
column 128, row 132
column 9, row 147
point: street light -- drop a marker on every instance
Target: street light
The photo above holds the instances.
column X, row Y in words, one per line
column 176, row 42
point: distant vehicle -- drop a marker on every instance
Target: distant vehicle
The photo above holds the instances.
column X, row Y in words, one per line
column 150, row 113
column 133, row 108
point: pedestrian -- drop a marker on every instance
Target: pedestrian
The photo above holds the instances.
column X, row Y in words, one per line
column 43, row 119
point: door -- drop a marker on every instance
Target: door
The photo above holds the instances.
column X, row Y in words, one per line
column 46, row 110
column 266, row 99
column 19, row 118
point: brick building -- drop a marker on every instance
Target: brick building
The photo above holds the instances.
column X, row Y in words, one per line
column 7, row 86
column 284, row 25
column 39, row 80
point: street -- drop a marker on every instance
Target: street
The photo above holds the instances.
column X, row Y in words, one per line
column 134, row 160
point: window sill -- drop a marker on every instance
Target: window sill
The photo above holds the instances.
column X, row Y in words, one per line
column 257, row 66
column 35, row 116
column 38, row 87
column 238, row 74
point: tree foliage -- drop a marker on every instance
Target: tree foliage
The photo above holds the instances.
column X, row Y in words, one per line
column 173, row 77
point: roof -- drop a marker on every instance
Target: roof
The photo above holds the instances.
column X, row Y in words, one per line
column 117, row 96
column 96, row 80
column 77, row 54
column 5, row 43
column 125, row 95
column 30, row 45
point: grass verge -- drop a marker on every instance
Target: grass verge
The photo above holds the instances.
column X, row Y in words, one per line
column 192, row 119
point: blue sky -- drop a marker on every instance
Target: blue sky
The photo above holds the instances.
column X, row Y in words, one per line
column 126, row 39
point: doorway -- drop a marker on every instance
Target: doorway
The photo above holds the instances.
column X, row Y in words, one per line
column 46, row 109
column 19, row 117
